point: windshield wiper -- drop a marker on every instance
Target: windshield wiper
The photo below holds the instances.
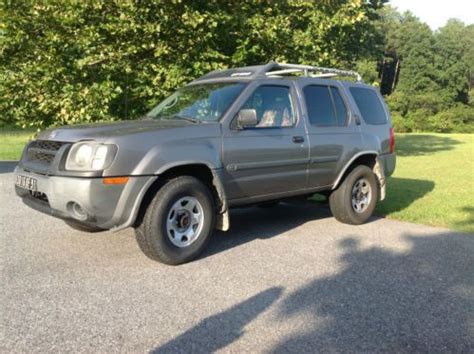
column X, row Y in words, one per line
column 189, row 119
column 174, row 116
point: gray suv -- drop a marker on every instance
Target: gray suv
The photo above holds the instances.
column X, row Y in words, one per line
column 254, row 135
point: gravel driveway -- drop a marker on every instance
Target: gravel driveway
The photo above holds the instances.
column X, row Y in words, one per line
column 285, row 279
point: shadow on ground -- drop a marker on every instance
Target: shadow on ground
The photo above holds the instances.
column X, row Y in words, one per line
column 7, row 166
column 218, row 331
column 381, row 301
column 423, row 144
column 402, row 192
column 248, row 224
column 419, row 300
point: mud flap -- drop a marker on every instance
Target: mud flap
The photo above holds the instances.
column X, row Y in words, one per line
column 378, row 170
column 222, row 220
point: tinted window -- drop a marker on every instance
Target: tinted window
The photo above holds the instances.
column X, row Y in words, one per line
column 273, row 106
column 319, row 105
column 369, row 105
column 341, row 110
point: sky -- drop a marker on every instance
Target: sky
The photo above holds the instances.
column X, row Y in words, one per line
column 436, row 12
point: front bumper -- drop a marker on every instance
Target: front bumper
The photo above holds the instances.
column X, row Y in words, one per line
column 105, row 206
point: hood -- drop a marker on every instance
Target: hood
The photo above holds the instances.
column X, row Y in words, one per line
column 105, row 131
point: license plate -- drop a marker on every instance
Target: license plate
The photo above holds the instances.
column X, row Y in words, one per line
column 27, row 183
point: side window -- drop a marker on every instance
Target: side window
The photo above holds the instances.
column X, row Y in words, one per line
column 319, row 105
column 340, row 107
column 273, row 106
column 369, row 105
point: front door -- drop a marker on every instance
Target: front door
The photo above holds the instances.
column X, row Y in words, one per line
column 271, row 157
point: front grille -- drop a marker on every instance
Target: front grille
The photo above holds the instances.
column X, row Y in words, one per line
column 46, row 145
column 43, row 151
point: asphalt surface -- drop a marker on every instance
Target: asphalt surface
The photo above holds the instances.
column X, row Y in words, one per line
column 287, row 279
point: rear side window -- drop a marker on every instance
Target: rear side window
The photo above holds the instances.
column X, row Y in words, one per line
column 369, row 105
column 325, row 106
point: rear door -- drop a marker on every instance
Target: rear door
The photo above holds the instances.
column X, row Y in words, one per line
column 270, row 158
column 333, row 132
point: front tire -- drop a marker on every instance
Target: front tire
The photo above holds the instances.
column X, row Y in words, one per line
column 354, row 201
column 178, row 222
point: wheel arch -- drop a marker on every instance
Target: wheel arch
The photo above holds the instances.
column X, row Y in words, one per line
column 202, row 171
column 369, row 159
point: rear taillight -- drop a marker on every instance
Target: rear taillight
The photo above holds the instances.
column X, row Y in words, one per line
column 392, row 140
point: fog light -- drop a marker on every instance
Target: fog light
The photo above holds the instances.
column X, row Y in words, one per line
column 76, row 211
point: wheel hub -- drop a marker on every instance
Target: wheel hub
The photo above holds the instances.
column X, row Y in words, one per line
column 185, row 221
column 361, row 195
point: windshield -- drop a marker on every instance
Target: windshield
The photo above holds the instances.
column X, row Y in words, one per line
column 199, row 103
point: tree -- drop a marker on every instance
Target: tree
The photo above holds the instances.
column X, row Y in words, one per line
column 429, row 89
column 70, row 62
column 453, row 47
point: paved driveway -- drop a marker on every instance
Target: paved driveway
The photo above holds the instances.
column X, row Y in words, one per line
column 284, row 279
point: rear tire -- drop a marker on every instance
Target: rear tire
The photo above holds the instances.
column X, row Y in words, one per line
column 354, row 201
column 178, row 223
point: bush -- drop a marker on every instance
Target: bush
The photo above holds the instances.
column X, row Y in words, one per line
column 430, row 112
column 457, row 119
column 431, row 101
column 400, row 124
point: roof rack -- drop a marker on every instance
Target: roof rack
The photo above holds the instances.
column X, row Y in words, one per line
column 273, row 69
column 307, row 70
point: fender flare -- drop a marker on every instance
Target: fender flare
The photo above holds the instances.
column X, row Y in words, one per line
column 378, row 171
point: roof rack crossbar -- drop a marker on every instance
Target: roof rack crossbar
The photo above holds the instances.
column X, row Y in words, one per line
column 323, row 75
column 285, row 68
column 282, row 72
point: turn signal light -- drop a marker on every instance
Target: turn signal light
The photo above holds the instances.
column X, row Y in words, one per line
column 115, row 180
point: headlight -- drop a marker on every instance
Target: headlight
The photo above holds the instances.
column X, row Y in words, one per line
column 90, row 156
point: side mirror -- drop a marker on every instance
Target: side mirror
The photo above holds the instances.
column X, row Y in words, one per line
column 246, row 118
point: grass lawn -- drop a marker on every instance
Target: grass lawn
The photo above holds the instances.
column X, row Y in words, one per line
column 12, row 142
column 433, row 183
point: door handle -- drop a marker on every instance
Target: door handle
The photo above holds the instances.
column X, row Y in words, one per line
column 298, row 139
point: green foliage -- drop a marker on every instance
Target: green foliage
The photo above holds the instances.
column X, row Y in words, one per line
column 453, row 46
column 413, row 43
column 432, row 93
column 70, row 62
column 368, row 70
column 457, row 119
column 430, row 112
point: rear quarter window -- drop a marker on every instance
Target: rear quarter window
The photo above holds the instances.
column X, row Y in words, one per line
column 369, row 104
